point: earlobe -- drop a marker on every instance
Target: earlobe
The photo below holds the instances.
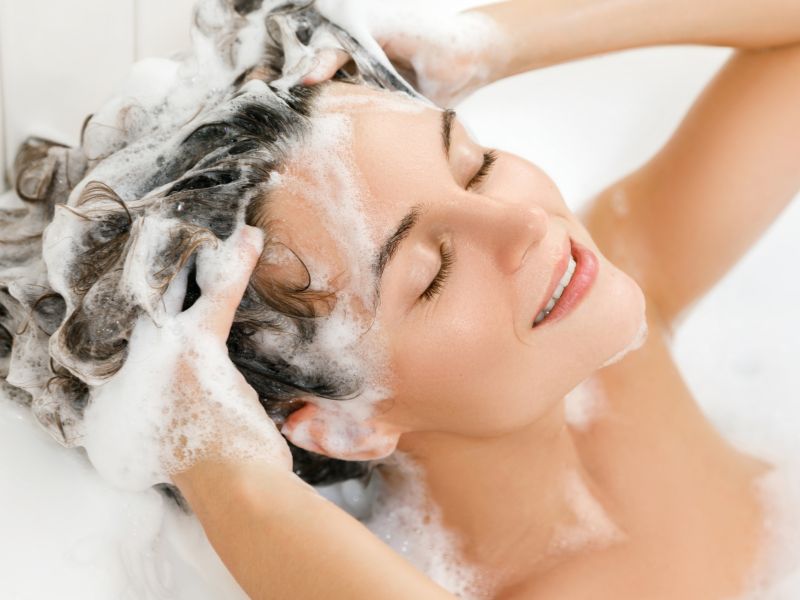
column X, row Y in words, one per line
column 336, row 433
column 303, row 428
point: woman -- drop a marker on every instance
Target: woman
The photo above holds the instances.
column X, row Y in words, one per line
column 471, row 245
column 683, row 515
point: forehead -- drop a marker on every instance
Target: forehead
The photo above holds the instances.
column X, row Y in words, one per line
column 369, row 157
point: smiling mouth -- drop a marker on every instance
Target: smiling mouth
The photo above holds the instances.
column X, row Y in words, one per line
column 576, row 279
column 565, row 280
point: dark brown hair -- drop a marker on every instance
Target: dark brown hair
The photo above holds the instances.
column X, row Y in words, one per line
column 63, row 331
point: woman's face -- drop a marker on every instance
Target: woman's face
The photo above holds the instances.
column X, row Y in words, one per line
column 479, row 249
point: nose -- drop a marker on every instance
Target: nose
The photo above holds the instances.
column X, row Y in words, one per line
column 520, row 228
column 513, row 229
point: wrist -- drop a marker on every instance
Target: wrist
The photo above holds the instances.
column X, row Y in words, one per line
column 207, row 483
column 508, row 32
column 543, row 33
column 485, row 43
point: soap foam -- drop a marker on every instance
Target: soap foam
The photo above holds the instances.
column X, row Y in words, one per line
column 636, row 342
column 136, row 138
column 777, row 575
column 412, row 525
column 176, row 394
column 454, row 46
column 131, row 148
column 592, row 527
column 584, row 404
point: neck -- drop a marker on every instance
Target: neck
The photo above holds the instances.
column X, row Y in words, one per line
column 517, row 501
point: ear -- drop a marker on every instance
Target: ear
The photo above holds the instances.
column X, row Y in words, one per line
column 337, row 433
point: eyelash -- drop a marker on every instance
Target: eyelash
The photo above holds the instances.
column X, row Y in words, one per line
column 489, row 158
column 444, row 270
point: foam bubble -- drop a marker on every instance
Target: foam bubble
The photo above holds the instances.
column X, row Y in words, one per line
column 390, row 102
column 584, row 404
column 412, row 525
column 636, row 342
column 454, row 53
column 592, row 526
column 177, row 395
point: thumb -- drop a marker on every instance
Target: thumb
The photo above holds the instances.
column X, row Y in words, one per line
column 223, row 273
column 327, row 62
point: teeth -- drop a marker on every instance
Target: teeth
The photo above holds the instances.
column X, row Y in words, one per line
column 558, row 291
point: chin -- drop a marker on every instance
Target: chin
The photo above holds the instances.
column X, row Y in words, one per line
column 625, row 321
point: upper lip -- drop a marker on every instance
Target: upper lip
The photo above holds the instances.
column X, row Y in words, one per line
column 558, row 272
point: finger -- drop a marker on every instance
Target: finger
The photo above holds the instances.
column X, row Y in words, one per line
column 328, row 62
column 176, row 292
column 222, row 275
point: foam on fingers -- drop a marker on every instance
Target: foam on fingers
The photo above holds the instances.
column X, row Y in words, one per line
column 222, row 273
column 176, row 400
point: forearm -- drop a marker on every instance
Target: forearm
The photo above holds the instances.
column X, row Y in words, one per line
column 548, row 32
column 280, row 539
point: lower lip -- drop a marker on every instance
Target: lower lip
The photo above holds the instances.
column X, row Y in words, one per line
column 585, row 273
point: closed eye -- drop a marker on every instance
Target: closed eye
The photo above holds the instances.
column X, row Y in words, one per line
column 444, row 270
column 489, row 158
column 447, row 255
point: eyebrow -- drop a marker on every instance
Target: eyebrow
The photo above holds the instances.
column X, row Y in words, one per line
column 392, row 243
column 447, row 129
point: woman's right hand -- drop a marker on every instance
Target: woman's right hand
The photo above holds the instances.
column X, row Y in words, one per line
column 445, row 56
column 178, row 399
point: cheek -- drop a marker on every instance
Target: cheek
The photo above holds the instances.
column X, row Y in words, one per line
column 466, row 372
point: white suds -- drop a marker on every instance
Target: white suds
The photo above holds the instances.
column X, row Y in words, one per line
column 638, row 340
column 584, row 404
column 348, row 340
column 776, row 576
column 412, row 525
column 176, row 393
column 131, row 145
column 592, row 526
column 452, row 53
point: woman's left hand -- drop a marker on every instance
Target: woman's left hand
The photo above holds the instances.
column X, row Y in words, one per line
column 445, row 56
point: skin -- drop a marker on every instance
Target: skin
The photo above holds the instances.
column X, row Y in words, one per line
column 681, row 503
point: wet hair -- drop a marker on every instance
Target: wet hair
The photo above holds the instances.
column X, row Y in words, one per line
column 66, row 318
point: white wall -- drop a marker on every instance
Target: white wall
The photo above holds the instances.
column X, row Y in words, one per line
column 60, row 59
column 162, row 27
column 2, row 107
